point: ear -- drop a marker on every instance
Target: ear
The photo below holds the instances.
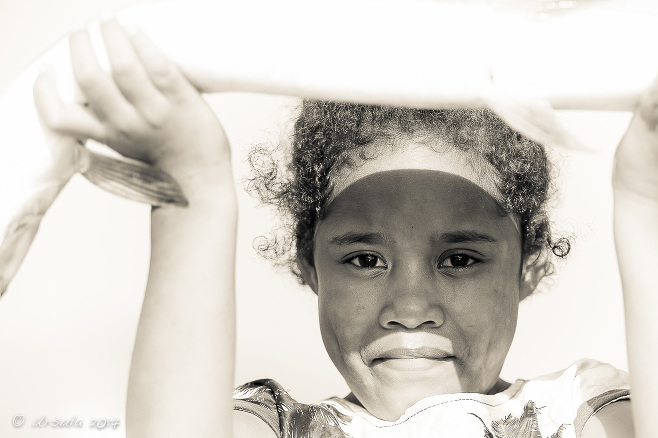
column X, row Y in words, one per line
column 532, row 272
column 309, row 275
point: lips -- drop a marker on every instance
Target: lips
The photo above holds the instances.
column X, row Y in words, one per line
column 418, row 364
column 417, row 359
column 414, row 353
column 406, row 349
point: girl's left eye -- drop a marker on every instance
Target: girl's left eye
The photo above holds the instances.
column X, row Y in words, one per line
column 458, row 261
column 367, row 261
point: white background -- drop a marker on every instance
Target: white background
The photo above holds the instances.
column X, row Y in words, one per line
column 68, row 321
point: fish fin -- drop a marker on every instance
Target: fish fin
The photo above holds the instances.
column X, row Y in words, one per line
column 132, row 179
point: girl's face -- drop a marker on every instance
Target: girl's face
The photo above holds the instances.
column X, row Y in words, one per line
column 417, row 270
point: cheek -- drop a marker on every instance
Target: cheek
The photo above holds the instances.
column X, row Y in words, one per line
column 504, row 297
column 345, row 313
column 341, row 295
column 501, row 328
column 341, row 313
column 503, row 309
column 491, row 310
column 344, row 324
column 489, row 320
column 504, row 314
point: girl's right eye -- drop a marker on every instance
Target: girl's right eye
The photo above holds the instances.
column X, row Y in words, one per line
column 367, row 261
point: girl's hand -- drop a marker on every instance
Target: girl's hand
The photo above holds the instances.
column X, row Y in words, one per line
column 636, row 160
column 144, row 109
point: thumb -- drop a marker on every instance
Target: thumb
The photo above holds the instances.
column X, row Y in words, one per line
column 68, row 119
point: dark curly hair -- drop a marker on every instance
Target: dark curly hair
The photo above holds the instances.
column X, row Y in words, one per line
column 330, row 135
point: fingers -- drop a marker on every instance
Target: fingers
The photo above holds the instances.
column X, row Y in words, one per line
column 128, row 72
column 142, row 77
column 69, row 119
column 163, row 73
column 103, row 95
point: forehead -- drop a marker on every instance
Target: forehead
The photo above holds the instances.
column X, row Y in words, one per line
column 410, row 154
column 416, row 203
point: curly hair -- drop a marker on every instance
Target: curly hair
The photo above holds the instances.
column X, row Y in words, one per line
column 328, row 136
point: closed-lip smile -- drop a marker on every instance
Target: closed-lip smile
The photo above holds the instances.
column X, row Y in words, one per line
column 408, row 348
column 421, row 359
column 414, row 353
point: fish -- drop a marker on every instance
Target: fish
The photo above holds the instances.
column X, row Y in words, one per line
column 516, row 80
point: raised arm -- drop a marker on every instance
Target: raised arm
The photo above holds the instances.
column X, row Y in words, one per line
column 635, row 182
column 181, row 375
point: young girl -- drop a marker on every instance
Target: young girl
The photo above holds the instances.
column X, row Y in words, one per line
column 420, row 232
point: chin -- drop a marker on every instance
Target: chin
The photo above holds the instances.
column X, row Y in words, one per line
column 391, row 404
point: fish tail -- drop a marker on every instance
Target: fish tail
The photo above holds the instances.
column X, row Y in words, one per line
column 535, row 119
column 14, row 247
column 132, row 179
column 21, row 230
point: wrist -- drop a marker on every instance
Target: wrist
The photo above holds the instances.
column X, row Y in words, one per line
column 202, row 181
column 210, row 207
column 203, row 159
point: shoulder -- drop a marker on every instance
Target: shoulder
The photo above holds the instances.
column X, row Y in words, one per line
column 255, row 408
column 589, row 370
column 264, row 405
column 593, row 394
column 246, row 425
column 612, row 421
column 585, row 380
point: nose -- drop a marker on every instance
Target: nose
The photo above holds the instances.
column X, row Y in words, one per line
column 414, row 304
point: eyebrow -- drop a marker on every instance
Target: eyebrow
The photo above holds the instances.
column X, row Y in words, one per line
column 356, row 237
column 466, row 236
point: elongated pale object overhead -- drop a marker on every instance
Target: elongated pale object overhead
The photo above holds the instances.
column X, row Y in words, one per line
column 520, row 58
